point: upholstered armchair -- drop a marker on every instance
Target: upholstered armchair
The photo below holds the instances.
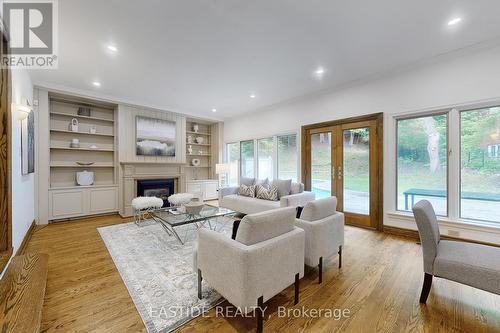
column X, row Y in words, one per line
column 324, row 228
column 471, row 264
column 266, row 257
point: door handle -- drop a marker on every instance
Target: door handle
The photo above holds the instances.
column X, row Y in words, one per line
column 340, row 173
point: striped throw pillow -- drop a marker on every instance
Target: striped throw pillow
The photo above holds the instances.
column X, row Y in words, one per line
column 266, row 194
column 247, row 191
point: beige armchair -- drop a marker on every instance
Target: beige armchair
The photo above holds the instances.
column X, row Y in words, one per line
column 266, row 257
column 324, row 228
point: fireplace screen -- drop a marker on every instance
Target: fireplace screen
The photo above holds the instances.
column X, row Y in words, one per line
column 160, row 188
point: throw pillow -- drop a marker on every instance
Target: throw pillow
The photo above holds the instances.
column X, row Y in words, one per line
column 247, row 191
column 297, row 188
column 266, row 194
column 284, row 186
column 265, row 182
column 247, row 181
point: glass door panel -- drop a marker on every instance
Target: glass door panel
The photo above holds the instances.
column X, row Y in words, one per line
column 321, row 164
column 356, row 171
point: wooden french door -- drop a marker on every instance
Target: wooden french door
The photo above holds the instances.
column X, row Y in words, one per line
column 343, row 159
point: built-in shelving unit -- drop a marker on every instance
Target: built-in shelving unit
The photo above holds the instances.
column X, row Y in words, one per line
column 96, row 134
column 201, row 150
column 96, row 152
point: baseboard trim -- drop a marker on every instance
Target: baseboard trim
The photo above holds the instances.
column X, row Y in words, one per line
column 26, row 239
column 413, row 234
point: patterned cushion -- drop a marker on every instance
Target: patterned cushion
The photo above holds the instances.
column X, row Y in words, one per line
column 247, row 191
column 266, row 194
column 264, row 182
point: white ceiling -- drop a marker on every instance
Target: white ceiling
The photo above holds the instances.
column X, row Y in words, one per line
column 195, row 55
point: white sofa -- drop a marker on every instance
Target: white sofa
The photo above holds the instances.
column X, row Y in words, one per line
column 229, row 198
column 324, row 228
column 266, row 257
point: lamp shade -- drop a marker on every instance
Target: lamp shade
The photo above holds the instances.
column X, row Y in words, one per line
column 221, row 168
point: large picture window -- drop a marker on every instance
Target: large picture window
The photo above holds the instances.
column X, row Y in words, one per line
column 265, row 150
column 480, row 164
column 274, row 157
column 422, row 162
column 287, row 157
column 247, row 154
column 233, row 159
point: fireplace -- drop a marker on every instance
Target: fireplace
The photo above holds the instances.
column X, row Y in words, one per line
column 160, row 188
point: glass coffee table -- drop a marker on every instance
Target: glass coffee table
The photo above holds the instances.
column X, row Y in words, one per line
column 170, row 219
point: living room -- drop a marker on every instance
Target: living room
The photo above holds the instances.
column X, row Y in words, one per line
column 236, row 167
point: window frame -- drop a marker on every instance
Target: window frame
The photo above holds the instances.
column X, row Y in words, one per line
column 226, row 159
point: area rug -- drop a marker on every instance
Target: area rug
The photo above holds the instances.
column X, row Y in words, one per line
column 158, row 272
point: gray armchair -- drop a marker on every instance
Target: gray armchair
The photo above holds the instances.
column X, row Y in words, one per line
column 471, row 264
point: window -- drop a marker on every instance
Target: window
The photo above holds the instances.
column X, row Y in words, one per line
column 233, row 158
column 422, row 162
column 287, row 157
column 265, row 151
column 272, row 157
column 247, row 159
column 480, row 164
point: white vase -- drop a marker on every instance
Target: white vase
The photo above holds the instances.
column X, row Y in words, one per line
column 196, row 128
column 190, row 149
column 74, row 125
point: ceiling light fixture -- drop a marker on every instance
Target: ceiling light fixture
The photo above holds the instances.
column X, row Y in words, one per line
column 319, row 72
column 112, row 48
column 214, row 110
column 96, row 84
column 454, row 21
column 252, row 96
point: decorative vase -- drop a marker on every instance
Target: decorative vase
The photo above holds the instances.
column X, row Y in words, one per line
column 74, row 125
column 200, row 139
column 190, row 139
column 196, row 128
column 92, row 129
column 190, row 149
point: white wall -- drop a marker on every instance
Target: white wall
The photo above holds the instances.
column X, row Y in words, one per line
column 23, row 187
column 463, row 79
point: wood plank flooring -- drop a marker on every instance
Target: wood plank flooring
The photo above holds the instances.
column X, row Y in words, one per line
column 379, row 284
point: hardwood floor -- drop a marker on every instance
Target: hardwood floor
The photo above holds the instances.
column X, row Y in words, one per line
column 379, row 284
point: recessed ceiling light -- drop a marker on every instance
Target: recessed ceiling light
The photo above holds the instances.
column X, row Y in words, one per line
column 252, row 96
column 454, row 21
column 214, row 110
column 319, row 72
column 96, row 84
column 112, row 48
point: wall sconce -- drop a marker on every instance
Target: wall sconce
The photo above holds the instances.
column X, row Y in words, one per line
column 23, row 110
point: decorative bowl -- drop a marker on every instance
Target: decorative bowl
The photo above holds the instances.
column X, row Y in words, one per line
column 195, row 162
column 200, row 139
column 85, row 163
column 194, row 207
